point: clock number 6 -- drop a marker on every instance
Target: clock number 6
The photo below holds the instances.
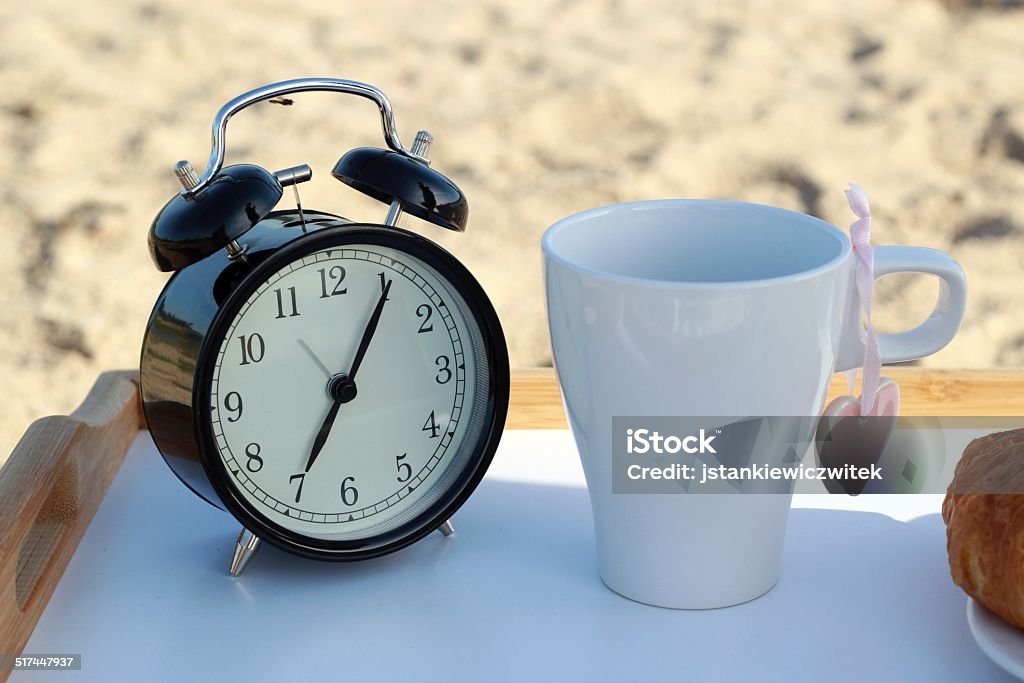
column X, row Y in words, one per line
column 349, row 494
column 403, row 466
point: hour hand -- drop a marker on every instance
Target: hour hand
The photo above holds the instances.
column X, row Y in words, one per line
column 321, row 436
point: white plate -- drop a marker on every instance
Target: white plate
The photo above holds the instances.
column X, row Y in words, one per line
column 1003, row 643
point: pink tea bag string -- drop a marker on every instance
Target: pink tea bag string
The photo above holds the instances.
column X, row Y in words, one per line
column 864, row 280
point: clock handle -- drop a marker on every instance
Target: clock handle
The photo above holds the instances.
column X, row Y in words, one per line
column 193, row 183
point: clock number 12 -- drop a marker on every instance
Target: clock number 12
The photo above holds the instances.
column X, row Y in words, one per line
column 335, row 273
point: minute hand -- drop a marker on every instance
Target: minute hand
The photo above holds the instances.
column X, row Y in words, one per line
column 371, row 327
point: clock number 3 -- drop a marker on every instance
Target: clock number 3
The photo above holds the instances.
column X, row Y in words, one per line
column 444, row 373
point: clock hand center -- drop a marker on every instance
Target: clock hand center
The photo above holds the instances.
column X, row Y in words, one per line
column 341, row 389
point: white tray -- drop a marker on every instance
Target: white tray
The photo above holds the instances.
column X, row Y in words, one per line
column 865, row 594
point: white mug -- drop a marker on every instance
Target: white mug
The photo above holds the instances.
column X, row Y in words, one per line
column 696, row 307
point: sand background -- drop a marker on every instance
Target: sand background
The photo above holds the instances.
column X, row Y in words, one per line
column 539, row 109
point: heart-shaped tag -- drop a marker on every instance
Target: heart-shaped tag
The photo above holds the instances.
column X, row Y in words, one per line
column 887, row 402
column 855, row 431
column 844, row 437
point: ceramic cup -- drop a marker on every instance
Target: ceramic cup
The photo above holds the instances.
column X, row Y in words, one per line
column 708, row 308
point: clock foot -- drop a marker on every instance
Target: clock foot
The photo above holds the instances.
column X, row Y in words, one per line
column 447, row 529
column 245, row 547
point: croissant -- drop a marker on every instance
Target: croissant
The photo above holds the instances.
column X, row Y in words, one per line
column 985, row 528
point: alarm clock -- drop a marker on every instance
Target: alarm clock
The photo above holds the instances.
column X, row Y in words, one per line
column 339, row 387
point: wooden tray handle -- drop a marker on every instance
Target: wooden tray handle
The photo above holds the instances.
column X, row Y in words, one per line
column 50, row 487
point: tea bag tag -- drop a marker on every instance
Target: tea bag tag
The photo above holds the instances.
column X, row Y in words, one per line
column 880, row 396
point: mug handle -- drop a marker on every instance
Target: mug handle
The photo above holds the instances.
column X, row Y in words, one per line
column 928, row 337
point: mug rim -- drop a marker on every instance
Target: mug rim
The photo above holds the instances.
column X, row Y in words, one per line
column 551, row 253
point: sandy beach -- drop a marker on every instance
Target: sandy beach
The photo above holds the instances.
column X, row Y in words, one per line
column 538, row 110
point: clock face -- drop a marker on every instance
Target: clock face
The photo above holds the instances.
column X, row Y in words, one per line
column 349, row 393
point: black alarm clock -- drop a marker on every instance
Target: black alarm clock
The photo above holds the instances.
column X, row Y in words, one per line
column 339, row 387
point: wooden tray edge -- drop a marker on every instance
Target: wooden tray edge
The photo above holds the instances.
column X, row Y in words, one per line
column 50, row 487
column 536, row 402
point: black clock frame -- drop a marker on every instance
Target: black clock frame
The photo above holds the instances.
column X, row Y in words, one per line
column 459, row 278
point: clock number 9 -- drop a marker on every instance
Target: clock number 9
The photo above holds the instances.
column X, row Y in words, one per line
column 442, row 362
column 403, row 466
column 254, row 462
column 349, row 494
column 233, row 403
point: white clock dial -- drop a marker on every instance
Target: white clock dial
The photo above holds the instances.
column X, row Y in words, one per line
column 403, row 427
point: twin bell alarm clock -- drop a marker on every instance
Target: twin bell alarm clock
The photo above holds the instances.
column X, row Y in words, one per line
column 339, row 387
